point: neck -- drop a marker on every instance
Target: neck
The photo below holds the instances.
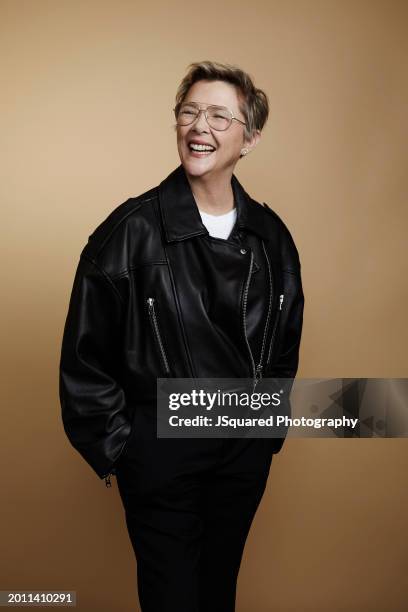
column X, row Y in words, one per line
column 212, row 195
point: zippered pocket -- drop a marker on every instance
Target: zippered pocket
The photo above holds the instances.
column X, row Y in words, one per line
column 157, row 335
column 121, row 456
column 275, row 328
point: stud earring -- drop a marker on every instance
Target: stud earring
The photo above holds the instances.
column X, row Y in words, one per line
column 244, row 151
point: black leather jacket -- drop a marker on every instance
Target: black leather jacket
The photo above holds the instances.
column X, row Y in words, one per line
column 155, row 295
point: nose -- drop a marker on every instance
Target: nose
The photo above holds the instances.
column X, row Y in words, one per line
column 200, row 124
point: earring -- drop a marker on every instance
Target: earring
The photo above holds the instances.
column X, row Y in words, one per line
column 244, row 151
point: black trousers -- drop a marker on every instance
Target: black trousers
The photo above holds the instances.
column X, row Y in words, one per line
column 189, row 505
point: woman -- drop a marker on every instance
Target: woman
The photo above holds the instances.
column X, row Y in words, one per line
column 190, row 279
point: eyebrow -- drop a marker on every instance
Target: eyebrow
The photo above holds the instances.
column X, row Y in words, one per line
column 206, row 104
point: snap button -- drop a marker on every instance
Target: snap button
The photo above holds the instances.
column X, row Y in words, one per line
column 243, row 251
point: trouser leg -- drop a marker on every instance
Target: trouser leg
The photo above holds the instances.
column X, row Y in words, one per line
column 167, row 548
column 189, row 508
column 231, row 499
column 160, row 486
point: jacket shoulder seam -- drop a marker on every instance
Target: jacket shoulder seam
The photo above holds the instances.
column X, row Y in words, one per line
column 105, row 275
column 137, row 206
column 138, row 203
column 285, row 235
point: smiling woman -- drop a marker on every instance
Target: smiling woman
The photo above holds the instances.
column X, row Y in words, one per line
column 218, row 121
column 210, row 103
column 172, row 285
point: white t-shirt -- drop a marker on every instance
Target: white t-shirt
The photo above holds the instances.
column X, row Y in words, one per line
column 219, row 226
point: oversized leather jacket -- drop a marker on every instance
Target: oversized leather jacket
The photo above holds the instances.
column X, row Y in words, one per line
column 155, row 295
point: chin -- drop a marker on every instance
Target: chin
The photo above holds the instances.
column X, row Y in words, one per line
column 197, row 167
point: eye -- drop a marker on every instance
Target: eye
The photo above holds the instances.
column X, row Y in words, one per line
column 188, row 110
column 219, row 113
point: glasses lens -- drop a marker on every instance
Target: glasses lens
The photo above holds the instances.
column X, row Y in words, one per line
column 187, row 114
column 219, row 118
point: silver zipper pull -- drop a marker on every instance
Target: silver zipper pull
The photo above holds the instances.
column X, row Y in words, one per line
column 280, row 301
column 258, row 371
column 255, row 381
column 258, row 376
column 150, row 302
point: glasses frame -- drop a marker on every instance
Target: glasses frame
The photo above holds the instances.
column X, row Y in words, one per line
column 204, row 109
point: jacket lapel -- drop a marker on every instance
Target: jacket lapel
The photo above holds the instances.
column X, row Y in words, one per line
column 181, row 218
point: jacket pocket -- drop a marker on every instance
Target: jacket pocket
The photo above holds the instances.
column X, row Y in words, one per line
column 157, row 335
column 127, row 442
column 275, row 330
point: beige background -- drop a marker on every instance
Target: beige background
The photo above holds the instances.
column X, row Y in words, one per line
column 86, row 122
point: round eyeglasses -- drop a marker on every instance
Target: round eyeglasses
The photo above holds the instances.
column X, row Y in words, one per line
column 218, row 117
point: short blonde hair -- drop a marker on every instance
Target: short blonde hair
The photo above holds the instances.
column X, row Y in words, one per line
column 253, row 104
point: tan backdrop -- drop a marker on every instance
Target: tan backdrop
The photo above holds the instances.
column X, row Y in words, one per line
column 86, row 111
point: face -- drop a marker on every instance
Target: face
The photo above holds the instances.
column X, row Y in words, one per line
column 227, row 145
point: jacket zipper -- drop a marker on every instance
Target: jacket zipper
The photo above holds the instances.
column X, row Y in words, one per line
column 156, row 331
column 244, row 306
column 275, row 327
column 256, row 369
column 108, row 480
column 259, row 367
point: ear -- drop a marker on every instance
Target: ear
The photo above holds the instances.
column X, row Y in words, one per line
column 251, row 143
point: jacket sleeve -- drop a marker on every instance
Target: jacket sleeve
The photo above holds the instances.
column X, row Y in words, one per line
column 92, row 401
column 285, row 364
column 291, row 325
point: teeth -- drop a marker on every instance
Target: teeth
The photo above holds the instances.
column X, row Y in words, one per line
column 200, row 147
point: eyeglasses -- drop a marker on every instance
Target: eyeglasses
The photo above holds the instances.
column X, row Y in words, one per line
column 218, row 117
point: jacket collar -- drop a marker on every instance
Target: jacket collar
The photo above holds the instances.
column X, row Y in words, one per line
column 181, row 217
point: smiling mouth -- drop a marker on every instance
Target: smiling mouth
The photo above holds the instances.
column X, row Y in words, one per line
column 200, row 150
